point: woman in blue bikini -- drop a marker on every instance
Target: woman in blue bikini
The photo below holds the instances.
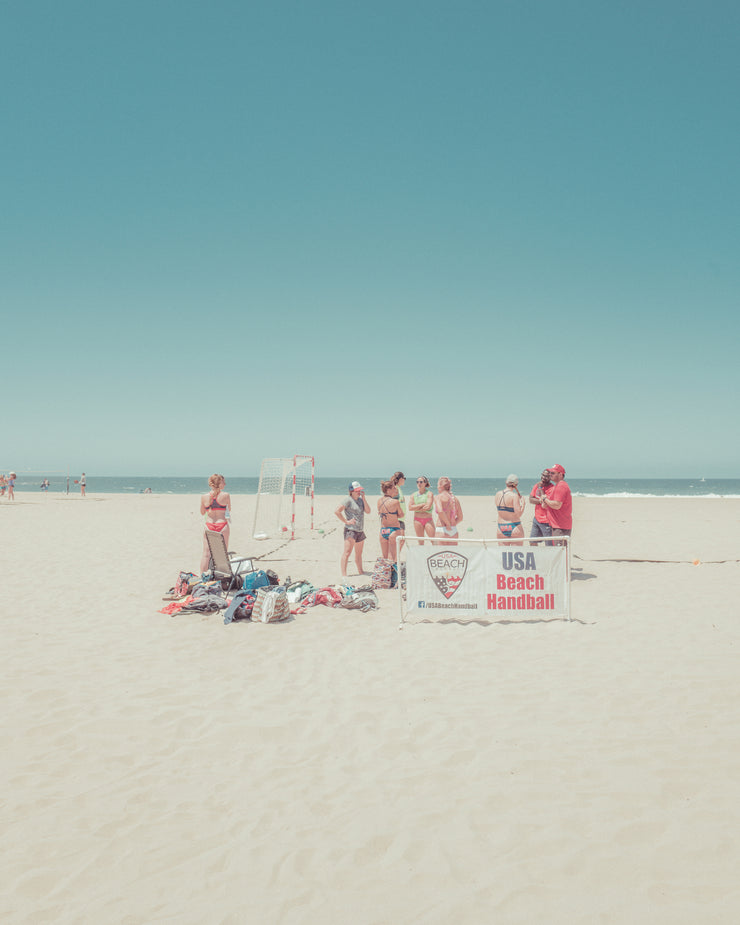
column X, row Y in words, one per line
column 390, row 511
column 510, row 506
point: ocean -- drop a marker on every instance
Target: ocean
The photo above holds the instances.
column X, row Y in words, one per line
column 585, row 488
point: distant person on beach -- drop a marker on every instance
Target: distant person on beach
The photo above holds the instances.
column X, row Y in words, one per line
column 352, row 514
column 399, row 480
column 509, row 508
column 83, row 483
column 390, row 512
column 11, row 486
column 449, row 513
column 540, row 523
column 216, row 506
column 559, row 503
column 422, row 505
column 45, row 485
column 3, row 485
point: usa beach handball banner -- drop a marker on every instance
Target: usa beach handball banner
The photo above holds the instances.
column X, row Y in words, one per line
column 483, row 580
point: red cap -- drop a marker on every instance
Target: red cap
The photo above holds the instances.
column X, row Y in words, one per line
column 557, row 468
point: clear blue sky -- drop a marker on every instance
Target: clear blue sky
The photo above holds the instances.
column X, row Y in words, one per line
column 470, row 237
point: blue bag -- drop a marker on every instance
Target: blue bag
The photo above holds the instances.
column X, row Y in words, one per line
column 254, row 580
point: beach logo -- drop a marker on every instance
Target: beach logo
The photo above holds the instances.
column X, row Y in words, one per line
column 447, row 570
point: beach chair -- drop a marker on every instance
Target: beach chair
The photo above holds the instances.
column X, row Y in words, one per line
column 225, row 565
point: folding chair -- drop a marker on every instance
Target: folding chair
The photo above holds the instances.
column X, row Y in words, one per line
column 225, row 565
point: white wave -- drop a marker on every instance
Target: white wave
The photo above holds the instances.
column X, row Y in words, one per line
column 629, row 494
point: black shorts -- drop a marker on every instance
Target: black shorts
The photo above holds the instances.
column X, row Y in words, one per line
column 357, row 535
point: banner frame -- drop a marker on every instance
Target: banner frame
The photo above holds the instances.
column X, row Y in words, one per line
column 495, row 541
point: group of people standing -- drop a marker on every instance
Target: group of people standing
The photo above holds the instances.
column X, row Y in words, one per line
column 552, row 502
column 393, row 508
column 434, row 516
column 437, row 516
column 7, row 485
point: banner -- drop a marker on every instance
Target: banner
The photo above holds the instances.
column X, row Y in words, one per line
column 483, row 580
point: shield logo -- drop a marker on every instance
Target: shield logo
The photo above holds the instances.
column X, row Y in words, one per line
column 447, row 570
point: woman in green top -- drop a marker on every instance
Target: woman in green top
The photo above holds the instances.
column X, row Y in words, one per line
column 421, row 504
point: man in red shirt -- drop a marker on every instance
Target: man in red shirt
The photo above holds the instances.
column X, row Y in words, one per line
column 540, row 524
column 559, row 504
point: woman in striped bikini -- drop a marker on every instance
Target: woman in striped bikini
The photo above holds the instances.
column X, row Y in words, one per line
column 216, row 506
column 390, row 511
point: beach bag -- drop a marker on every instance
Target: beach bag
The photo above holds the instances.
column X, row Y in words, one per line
column 382, row 573
column 254, row 580
column 272, row 577
column 271, row 606
column 185, row 582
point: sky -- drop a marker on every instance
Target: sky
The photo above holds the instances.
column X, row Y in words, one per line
column 461, row 237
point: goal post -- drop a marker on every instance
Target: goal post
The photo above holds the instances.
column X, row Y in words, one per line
column 285, row 497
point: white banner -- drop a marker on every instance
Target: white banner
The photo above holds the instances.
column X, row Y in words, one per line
column 485, row 580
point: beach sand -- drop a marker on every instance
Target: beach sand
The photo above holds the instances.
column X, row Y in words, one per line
column 339, row 769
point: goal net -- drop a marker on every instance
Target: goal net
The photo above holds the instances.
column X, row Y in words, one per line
column 284, row 497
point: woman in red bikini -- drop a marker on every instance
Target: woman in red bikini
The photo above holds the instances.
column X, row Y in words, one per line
column 421, row 503
column 215, row 506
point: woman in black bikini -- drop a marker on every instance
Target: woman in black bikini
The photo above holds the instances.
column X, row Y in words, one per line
column 510, row 506
column 215, row 506
column 390, row 511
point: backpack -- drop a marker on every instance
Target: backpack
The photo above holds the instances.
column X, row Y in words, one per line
column 240, row 607
column 382, row 573
column 254, row 580
column 271, row 606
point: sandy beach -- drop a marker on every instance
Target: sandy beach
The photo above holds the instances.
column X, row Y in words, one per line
column 339, row 769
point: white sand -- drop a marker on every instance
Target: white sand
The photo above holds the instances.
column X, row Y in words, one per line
column 337, row 769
